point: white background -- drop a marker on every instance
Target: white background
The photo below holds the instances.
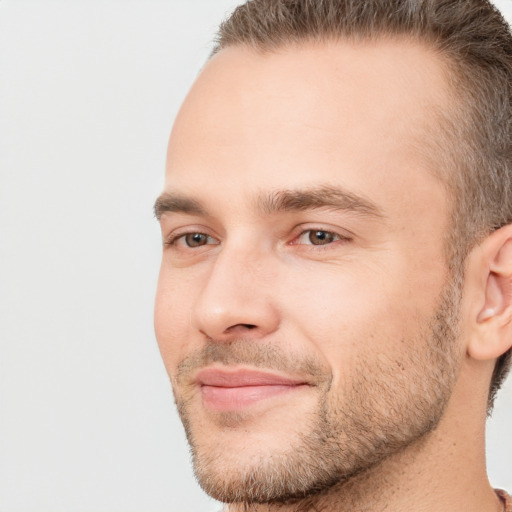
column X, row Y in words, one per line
column 88, row 92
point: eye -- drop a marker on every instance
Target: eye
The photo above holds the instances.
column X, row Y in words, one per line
column 193, row 240
column 317, row 237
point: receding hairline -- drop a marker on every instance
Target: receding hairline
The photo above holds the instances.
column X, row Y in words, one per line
column 434, row 143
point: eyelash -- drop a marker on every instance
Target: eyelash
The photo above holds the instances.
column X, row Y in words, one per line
column 336, row 237
column 174, row 239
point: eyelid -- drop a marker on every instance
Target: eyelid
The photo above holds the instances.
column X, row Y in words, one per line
column 341, row 235
column 183, row 237
column 176, row 234
column 308, row 232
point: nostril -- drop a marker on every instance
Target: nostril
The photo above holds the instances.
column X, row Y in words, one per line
column 242, row 326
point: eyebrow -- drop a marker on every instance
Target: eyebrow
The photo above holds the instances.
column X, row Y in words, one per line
column 319, row 197
column 169, row 203
column 280, row 201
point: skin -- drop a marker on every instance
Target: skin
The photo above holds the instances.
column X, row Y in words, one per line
column 351, row 318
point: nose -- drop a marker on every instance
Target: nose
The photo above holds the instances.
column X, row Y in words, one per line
column 236, row 300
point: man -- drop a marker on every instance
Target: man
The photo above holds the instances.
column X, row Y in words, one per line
column 335, row 298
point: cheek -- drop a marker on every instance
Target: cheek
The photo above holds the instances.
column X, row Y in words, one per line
column 173, row 305
column 346, row 313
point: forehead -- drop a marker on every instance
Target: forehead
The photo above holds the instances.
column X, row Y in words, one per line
column 358, row 113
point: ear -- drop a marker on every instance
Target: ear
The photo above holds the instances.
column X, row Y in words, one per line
column 491, row 271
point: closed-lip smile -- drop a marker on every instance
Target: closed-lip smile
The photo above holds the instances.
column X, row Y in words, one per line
column 232, row 389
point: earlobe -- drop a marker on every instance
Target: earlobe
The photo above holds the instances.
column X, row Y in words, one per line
column 493, row 326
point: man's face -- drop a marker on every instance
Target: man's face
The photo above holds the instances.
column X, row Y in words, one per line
column 304, row 309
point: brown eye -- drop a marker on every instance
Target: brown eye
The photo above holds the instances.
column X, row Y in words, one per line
column 195, row 239
column 192, row 240
column 318, row 237
column 321, row 237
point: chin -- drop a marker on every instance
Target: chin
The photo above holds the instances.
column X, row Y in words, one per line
column 248, row 472
column 268, row 454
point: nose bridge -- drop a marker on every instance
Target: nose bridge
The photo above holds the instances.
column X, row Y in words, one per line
column 236, row 294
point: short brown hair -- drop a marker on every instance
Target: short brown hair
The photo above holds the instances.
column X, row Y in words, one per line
column 475, row 41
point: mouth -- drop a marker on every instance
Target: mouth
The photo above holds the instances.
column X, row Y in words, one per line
column 224, row 389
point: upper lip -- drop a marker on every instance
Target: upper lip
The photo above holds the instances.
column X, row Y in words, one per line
column 242, row 377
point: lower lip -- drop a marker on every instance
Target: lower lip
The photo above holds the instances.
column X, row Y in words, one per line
column 235, row 399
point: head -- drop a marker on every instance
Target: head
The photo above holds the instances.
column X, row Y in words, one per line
column 333, row 159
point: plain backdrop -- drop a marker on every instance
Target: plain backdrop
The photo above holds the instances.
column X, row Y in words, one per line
column 88, row 93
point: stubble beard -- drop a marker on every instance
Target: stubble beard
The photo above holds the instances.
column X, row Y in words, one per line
column 391, row 404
